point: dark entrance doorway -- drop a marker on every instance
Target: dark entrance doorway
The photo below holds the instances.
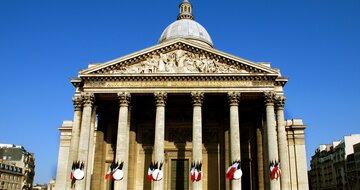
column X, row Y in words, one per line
column 180, row 174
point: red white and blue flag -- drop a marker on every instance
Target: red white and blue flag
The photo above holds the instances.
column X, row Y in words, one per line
column 155, row 172
column 195, row 171
column 234, row 171
column 275, row 171
column 115, row 171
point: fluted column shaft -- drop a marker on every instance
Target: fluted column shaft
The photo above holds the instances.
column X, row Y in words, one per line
column 75, row 135
column 272, row 145
column 235, row 150
column 91, row 147
column 283, row 144
column 122, row 139
column 158, row 153
column 88, row 101
column 197, row 98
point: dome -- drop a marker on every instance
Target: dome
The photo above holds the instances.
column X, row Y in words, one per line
column 188, row 29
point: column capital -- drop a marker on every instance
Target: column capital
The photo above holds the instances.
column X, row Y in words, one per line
column 234, row 98
column 197, row 98
column 124, row 99
column 77, row 101
column 160, row 98
column 269, row 98
column 88, row 99
column 280, row 102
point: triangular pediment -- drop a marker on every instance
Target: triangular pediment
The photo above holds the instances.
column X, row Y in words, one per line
column 179, row 56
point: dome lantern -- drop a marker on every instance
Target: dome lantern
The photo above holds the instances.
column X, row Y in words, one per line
column 185, row 11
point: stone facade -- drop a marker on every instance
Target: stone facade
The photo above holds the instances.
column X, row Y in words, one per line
column 17, row 167
column 177, row 103
column 333, row 166
column 64, row 151
column 11, row 177
column 356, row 182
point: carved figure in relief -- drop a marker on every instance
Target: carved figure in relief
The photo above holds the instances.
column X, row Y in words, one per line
column 161, row 66
column 180, row 58
column 190, row 64
column 151, row 66
column 171, row 63
column 212, row 67
column 133, row 70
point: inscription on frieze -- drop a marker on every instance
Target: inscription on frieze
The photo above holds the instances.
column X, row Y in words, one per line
column 168, row 83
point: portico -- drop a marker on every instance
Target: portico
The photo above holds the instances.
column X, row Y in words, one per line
column 169, row 125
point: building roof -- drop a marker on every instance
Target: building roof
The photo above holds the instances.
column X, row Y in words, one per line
column 186, row 27
column 11, row 154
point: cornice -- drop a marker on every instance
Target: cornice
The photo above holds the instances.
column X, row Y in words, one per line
column 77, row 82
column 180, row 77
column 281, row 81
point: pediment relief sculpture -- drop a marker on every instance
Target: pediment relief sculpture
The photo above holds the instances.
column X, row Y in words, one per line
column 178, row 61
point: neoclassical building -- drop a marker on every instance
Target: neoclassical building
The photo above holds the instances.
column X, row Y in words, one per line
column 178, row 102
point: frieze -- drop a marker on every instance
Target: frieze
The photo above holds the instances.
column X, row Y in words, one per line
column 178, row 61
column 168, row 83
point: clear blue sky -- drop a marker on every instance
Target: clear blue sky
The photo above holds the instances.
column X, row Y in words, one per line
column 44, row 43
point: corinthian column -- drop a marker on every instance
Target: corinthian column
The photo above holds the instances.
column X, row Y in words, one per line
column 197, row 98
column 122, row 140
column 158, row 153
column 75, row 135
column 88, row 101
column 91, row 147
column 272, row 145
column 235, row 151
column 283, row 144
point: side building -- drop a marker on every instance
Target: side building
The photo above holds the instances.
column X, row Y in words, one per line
column 17, row 167
column 333, row 167
column 357, row 165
